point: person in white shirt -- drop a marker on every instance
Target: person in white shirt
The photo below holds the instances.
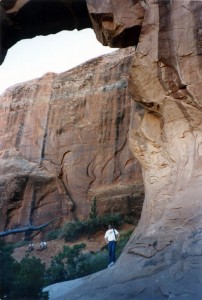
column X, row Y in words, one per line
column 111, row 236
column 30, row 247
column 43, row 245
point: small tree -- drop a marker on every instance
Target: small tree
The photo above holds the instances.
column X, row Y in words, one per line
column 7, row 269
column 64, row 264
column 29, row 279
column 93, row 211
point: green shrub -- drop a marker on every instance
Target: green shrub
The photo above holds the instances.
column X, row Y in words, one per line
column 8, row 268
column 124, row 238
column 93, row 211
column 53, row 235
column 131, row 220
column 63, row 265
column 25, row 280
column 89, row 263
column 22, row 280
column 29, row 279
column 72, row 263
column 19, row 244
column 71, row 231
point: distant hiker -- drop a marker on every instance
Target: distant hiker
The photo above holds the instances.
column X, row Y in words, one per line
column 111, row 236
column 30, row 247
column 42, row 246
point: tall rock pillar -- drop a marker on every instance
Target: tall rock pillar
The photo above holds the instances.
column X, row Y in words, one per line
column 166, row 132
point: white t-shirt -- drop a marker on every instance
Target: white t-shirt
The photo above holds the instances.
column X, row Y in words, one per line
column 110, row 235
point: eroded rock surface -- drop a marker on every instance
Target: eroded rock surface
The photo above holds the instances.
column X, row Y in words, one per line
column 22, row 19
column 116, row 23
column 64, row 141
column 163, row 258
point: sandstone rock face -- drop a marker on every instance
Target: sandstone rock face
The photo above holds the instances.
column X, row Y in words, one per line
column 64, row 141
column 164, row 256
column 116, row 23
column 166, row 134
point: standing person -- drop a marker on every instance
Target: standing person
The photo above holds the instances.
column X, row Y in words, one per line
column 111, row 236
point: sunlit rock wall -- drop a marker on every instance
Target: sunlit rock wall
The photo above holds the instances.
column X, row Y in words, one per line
column 163, row 258
column 64, row 141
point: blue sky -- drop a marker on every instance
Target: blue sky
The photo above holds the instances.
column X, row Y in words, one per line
column 32, row 58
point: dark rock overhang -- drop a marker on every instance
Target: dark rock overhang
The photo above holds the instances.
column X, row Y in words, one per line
column 22, row 19
column 40, row 17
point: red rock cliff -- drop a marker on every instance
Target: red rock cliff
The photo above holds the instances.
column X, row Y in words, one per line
column 64, row 141
column 163, row 257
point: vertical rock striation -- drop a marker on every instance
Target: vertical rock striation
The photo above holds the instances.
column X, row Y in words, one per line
column 165, row 83
column 64, row 141
column 163, row 258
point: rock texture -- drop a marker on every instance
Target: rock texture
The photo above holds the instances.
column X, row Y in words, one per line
column 64, row 141
column 116, row 23
column 22, row 19
column 163, row 258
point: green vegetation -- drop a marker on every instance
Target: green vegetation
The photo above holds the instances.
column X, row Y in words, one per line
column 64, row 264
column 93, row 212
column 71, row 231
column 30, row 277
column 6, row 263
column 72, row 263
column 27, row 278
column 18, row 279
column 53, row 234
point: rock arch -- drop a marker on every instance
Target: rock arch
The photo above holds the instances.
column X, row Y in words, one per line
column 21, row 19
column 166, row 136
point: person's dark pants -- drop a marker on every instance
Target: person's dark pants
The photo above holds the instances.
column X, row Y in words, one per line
column 112, row 250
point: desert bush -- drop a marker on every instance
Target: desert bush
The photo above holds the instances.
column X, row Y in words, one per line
column 63, row 265
column 8, row 269
column 72, row 263
column 124, row 238
column 25, row 280
column 22, row 280
column 131, row 219
column 89, row 263
column 53, row 234
column 19, row 244
column 29, row 279
column 73, row 230
column 93, row 210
